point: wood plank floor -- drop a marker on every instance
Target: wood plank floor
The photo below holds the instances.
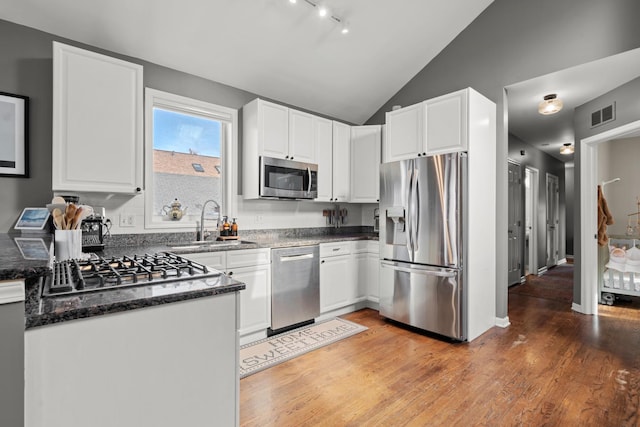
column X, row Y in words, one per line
column 551, row 367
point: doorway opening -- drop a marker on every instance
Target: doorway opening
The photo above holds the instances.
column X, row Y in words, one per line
column 588, row 210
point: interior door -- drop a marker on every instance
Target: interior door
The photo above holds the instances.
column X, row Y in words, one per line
column 553, row 195
column 515, row 223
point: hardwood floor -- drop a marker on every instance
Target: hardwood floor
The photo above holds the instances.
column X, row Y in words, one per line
column 551, row 367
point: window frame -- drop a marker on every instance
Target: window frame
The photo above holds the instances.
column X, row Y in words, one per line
column 228, row 143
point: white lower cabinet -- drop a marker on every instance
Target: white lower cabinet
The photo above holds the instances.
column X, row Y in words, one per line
column 337, row 276
column 366, row 254
column 253, row 268
column 255, row 300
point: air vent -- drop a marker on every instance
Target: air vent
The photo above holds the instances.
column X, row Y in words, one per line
column 605, row 115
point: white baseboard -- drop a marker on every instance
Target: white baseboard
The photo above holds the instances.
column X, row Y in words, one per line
column 542, row 270
column 562, row 261
column 502, row 322
column 577, row 307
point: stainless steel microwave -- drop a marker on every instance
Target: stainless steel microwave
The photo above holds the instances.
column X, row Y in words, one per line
column 288, row 179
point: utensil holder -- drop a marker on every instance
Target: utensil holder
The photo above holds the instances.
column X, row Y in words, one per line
column 68, row 244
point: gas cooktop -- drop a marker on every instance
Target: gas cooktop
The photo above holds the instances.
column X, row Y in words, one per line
column 100, row 274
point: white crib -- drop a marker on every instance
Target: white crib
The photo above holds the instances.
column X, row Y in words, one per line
column 621, row 275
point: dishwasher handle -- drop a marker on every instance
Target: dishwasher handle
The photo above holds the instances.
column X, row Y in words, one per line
column 287, row 258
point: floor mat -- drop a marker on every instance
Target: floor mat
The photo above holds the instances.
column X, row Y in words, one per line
column 259, row 355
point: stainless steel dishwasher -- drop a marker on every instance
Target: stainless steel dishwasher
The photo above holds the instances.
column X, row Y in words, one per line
column 295, row 287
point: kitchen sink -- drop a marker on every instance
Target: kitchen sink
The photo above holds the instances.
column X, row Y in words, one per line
column 208, row 244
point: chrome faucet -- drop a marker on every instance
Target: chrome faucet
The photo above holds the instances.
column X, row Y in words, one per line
column 201, row 237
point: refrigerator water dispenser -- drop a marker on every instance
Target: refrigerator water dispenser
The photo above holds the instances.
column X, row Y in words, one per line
column 395, row 224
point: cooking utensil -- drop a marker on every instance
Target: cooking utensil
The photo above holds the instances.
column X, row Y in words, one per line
column 58, row 218
column 70, row 212
column 58, row 201
column 77, row 218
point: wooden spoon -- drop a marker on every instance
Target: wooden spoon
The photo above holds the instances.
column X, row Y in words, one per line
column 70, row 212
column 77, row 219
column 58, row 218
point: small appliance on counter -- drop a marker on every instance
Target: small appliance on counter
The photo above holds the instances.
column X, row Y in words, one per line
column 94, row 229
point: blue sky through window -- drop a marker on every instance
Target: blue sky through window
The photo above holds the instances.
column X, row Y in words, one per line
column 181, row 133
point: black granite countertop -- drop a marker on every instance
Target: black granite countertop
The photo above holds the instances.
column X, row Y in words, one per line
column 25, row 256
column 41, row 311
column 29, row 257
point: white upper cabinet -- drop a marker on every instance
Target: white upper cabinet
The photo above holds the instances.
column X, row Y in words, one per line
column 323, row 131
column 447, row 123
column 435, row 126
column 97, row 122
column 273, row 129
column 279, row 131
column 341, row 162
column 302, row 146
column 365, row 164
column 405, row 133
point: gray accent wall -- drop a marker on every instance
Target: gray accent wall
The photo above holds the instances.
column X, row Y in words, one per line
column 513, row 41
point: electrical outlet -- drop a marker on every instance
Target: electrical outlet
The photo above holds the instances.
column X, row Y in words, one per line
column 127, row 220
column 259, row 219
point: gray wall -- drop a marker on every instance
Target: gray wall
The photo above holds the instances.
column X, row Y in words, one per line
column 545, row 164
column 513, row 41
column 627, row 99
column 26, row 61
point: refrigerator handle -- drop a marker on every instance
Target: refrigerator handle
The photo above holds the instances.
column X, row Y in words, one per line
column 431, row 272
column 408, row 214
column 416, row 210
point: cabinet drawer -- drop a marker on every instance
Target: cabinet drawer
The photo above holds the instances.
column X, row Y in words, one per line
column 248, row 258
column 217, row 260
column 373, row 246
column 335, row 249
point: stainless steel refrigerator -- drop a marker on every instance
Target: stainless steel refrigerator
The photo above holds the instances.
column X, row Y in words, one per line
column 422, row 243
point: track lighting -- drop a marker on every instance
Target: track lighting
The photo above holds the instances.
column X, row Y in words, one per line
column 550, row 105
column 324, row 12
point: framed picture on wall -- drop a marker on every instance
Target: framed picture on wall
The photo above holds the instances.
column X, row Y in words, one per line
column 14, row 135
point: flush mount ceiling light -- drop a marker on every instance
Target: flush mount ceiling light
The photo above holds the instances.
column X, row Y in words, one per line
column 324, row 12
column 550, row 105
column 567, row 149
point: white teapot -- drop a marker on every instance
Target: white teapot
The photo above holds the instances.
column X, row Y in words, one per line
column 174, row 211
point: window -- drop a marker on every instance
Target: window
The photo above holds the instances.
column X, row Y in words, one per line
column 188, row 157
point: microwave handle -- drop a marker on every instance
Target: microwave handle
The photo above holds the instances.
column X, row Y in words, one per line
column 309, row 173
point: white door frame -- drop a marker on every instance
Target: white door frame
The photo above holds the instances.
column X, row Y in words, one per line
column 588, row 211
column 533, row 234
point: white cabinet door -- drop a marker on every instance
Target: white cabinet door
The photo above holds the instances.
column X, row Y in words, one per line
column 373, row 277
column 341, row 162
column 255, row 300
column 336, row 282
column 273, row 130
column 323, row 131
column 97, row 122
column 365, row 164
column 359, row 291
column 446, row 119
column 302, row 147
column 405, row 133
